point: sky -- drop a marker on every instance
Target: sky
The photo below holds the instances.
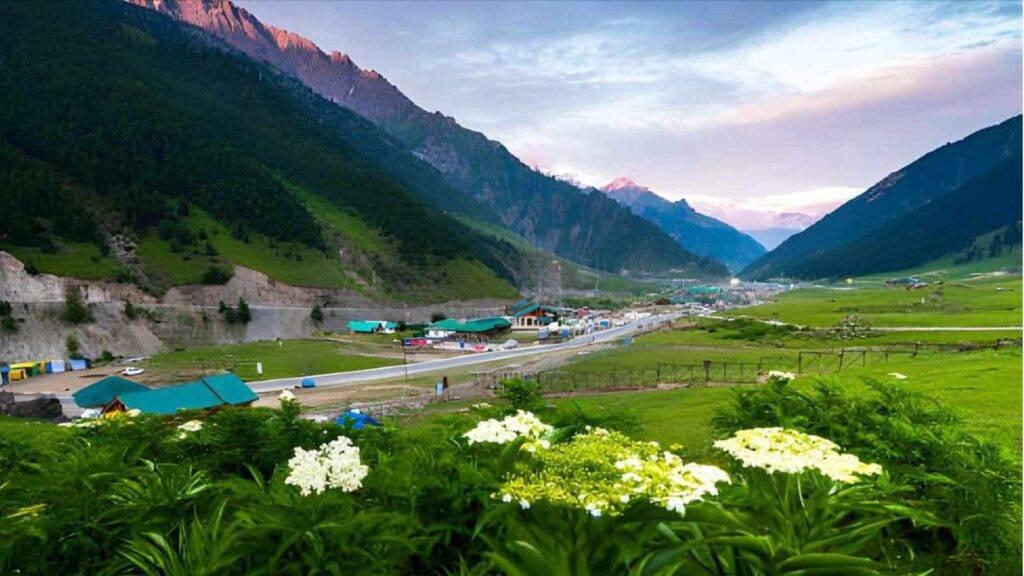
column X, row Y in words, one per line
column 760, row 113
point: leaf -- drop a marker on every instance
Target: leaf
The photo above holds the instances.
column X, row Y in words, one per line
column 827, row 560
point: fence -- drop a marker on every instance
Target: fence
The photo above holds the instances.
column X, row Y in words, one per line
column 711, row 372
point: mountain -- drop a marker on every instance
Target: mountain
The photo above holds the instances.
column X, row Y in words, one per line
column 926, row 179
column 554, row 215
column 694, row 231
column 771, row 237
column 154, row 135
column 950, row 223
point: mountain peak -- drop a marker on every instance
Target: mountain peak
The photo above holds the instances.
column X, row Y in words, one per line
column 620, row 183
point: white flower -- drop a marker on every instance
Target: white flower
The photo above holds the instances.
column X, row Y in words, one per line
column 524, row 504
column 506, row 498
column 190, row 426
column 481, row 406
column 286, row 396
column 898, row 376
column 519, row 425
column 332, row 465
column 781, row 375
column 791, row 452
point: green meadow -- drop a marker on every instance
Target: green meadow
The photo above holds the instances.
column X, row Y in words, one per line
column 280, row 359
column 982, row 302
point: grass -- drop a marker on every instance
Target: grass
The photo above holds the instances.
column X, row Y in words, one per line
column 75, row 259
column 349, row 225
column 283, row 359
column 468, row 279
column 965, row 303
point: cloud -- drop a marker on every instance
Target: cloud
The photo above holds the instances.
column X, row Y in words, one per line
column 792, row 210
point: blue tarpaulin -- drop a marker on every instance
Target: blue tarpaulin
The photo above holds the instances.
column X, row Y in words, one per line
column 308, row 382
column 356, row 420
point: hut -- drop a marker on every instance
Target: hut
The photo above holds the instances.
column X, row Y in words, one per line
column 103, row 392
column 208, row 393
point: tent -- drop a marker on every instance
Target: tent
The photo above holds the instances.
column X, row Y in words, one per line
column 209, row 392
column 102, row 392
column 356, row 420
column 79, row 364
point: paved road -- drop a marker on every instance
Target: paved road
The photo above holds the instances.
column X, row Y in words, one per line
column 361, row 376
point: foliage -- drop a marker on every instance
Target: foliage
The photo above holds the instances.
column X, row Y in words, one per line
column 72, row 345
column 7, row 321
column 522, row 393
column 75, row 309
column 217, row 275
column 316, row 314
column 968, row 483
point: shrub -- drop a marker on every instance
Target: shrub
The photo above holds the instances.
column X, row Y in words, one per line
column 73, row 345
column 217, row 275
column 75, row 310
column 967, row 482
column 316, row 314
column 522, row 393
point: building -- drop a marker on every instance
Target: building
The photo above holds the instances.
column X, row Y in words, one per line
column 372, row 327
column 102, row 392
column 478, row 326
column 532, row 317
column 208, row 393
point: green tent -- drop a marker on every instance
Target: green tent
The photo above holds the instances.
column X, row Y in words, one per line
column 101, row 392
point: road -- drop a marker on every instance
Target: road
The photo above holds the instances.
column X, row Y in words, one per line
column 372, row 374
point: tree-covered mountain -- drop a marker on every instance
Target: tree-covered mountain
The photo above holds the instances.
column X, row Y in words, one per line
column 694, row 231
column 116, row 120
column 554, row 215
column 950, row 223
column 925, row 180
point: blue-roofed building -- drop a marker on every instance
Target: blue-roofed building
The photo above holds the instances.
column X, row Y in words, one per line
column 372, row 326
column 102, row 392
column 209, row 392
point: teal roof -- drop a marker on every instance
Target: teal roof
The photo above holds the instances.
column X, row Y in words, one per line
column 231, row 388
column 209, row 392
column 475, row 325
column 101, row 392
column 391, row 325
column 363, row 325
column 703, row 290
column 524, row 311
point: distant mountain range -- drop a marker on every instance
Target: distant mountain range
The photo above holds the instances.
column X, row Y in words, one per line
column 771, row 237
column 694, row 231
column 554, row 215
column 936, row 205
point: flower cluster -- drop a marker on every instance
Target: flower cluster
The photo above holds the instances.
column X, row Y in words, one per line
column 602, row 472
column 780, row 375
column 519, row 425
column 332, row 465
column 286, row 396
column 791, row 452
column 188, row 427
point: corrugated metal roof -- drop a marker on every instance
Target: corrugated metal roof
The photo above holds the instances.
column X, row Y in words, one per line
column 524, row 311
column 231, row 388
column 101, row 392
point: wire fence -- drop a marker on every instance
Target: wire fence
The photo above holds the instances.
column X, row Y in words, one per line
column 716, row 372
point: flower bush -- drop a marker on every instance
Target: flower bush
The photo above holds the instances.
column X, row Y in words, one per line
column 602, row 472
column 264, row 491
column 519, row 425
column 791, row 452
column 333, row 465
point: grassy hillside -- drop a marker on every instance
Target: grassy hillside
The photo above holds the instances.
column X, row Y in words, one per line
column 146, row 120
column 990, row 301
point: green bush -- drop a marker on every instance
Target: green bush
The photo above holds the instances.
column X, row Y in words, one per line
column 75, row 309
column 967, row 482
column 217, row 275
column 522, row 393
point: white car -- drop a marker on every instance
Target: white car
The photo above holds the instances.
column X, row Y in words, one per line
column 132, row 371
